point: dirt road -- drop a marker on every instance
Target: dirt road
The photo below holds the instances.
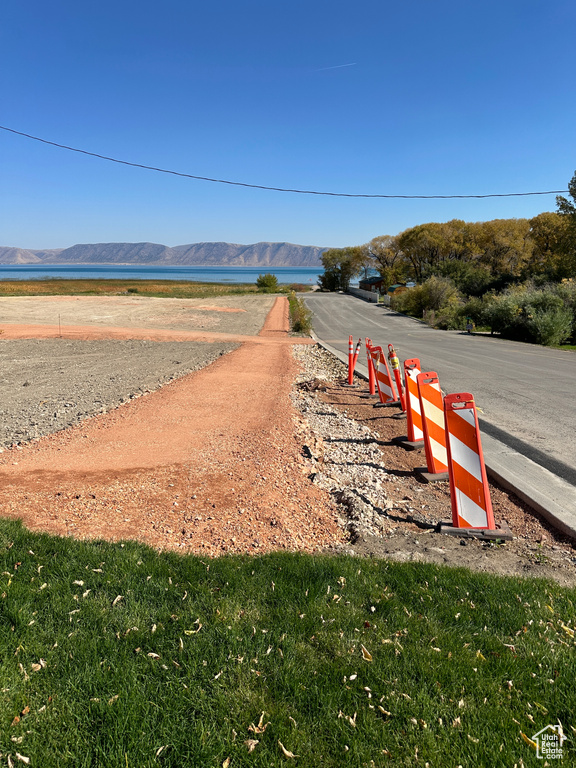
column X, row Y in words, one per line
column 207, row 464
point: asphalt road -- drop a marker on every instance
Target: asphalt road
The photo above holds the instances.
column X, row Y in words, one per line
column 525, row 393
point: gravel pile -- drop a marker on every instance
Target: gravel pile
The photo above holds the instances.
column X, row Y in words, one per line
column 47, row 385
column 345, row 457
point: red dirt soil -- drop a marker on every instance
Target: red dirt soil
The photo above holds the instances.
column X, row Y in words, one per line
column 207, row 464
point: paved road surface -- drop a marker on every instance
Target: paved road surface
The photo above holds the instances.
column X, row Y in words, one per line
column 526, row 392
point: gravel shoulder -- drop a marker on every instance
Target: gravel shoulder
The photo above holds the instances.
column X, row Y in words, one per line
column 386, row 511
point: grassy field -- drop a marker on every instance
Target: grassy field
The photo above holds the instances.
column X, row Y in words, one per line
column 159, row 288
column 115, row 655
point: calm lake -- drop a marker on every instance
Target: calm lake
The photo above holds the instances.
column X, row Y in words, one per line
column 287, row 275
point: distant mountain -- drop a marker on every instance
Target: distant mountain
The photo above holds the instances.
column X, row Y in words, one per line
column 25, row 256
column 208, row 254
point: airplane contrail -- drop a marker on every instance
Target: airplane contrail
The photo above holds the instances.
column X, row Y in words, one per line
column 338, row 66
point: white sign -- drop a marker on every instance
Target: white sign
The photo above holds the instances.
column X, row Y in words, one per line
column 549, row 742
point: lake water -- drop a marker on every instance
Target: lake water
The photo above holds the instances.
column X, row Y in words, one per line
column 285, row 275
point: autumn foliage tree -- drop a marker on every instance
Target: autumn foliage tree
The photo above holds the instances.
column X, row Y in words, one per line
column 341, row 265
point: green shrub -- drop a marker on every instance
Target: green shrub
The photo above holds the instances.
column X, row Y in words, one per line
column 524, row 313
column 437, row 301
column 550, row 327
column 434, row 294
column 267, row 283
column 300, row 315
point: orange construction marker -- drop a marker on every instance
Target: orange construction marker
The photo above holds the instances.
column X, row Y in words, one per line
column 371, row 376
column 395, row 364
column 356, row 353
column 413, row 412
column 384, row 382
column 469, row 490
column 350, row 358
column 432, row 409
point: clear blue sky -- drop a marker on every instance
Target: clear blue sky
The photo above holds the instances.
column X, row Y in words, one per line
column 441, row 98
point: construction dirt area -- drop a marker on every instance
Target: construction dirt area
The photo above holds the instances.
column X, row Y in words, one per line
column 204, row 427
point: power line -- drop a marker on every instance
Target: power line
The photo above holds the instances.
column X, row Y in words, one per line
column 278, row 189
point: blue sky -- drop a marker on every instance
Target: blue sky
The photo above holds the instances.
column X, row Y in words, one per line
column 441, row 98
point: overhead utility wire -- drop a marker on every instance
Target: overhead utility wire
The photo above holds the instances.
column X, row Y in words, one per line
column 279, row 189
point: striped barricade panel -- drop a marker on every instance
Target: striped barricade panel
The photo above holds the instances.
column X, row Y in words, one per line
column 384, row 381
column 432, row 410
column 413, row 413
column 469, row 490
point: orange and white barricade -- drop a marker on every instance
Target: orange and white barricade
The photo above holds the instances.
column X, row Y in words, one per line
column 384, row 382
column 415, row 435
column 413, row 411
column 469, row 490
column 434, row 432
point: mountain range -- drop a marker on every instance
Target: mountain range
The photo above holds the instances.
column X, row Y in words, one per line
column 198, row 254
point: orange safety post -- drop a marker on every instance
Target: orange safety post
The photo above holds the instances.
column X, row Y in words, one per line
column 469, row 490
column 413, row 412
column 371, row 377
column 356, row 353
column 432, row 410
column 350, row 358
column 395, row 363
column 384, row 382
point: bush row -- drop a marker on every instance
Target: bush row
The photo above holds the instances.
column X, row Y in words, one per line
column 541, row 315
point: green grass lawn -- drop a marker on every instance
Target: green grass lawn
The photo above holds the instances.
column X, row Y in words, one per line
column 115, row 655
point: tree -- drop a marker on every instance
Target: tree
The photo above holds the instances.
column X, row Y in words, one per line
column 567, row 209
column 548, row 232
column 505, row 246
column 340, row 266
column 388, row 259
column 267, row 283
column 421, row 246
column 428, row 246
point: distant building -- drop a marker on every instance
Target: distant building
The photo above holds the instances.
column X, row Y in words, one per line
column 371, row 283
column 397, row 288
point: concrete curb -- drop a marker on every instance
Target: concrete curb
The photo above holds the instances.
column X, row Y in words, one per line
column 545, row 492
